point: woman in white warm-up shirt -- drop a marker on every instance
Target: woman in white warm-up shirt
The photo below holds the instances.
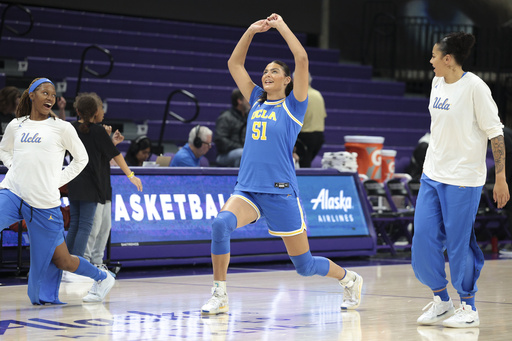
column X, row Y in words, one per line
column 464, row 117
column 33, row 149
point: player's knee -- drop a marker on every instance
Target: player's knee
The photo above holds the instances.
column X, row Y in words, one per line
column 223, row 225
column 307, row 265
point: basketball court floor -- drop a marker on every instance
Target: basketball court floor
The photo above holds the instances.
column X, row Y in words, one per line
column 266, row 303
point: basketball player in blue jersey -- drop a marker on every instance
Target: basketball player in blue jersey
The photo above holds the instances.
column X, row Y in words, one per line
column 33, row 149
column 464, row 117
column 267, row 184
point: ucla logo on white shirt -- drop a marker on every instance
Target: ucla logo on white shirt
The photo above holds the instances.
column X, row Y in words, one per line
column 27, row 138
column 441, row 105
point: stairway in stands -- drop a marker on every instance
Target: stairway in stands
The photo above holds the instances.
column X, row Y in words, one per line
column 153, row 57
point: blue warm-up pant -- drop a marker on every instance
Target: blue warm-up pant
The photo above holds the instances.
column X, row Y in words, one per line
column 443, row 220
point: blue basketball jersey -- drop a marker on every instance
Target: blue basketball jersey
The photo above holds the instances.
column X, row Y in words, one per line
column 272, row 128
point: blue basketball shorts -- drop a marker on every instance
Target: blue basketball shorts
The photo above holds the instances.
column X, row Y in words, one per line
column 283, row 212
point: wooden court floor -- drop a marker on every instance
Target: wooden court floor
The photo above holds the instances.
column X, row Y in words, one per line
column 264, row 305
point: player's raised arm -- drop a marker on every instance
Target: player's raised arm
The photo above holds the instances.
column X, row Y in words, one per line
column 301, row 78
column 237, row 60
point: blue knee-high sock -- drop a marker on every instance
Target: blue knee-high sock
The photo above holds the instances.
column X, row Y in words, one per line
column 87, row 269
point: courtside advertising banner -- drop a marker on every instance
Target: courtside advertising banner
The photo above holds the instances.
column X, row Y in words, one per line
column 181, row 208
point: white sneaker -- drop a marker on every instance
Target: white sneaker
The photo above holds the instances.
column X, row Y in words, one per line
column 438, row 311
column 465, row 317
column 100, row 289
column 217, row 304
column 352, row 292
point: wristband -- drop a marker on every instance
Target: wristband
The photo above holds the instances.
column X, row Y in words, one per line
column 132, row 174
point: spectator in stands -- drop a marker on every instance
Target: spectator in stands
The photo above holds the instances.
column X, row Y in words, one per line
column 415, row 167
column 267, row 184
column 311, row 136
column 230, row 131
column 464, row 116
column 199, row 143
column 61, row 104
column 139, row 151
column 9, row 99
column 92, row 186
column 30, row 191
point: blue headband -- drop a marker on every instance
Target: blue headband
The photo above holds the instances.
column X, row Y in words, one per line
column 39, row 82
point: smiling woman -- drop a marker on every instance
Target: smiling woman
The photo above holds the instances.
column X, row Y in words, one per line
column 41, row 140
column 42, row 100
column 267, row 185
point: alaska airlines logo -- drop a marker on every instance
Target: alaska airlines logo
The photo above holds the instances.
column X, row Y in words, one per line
column 443, row 106
column 27, row 138
column 261, row 113
column 332, row 203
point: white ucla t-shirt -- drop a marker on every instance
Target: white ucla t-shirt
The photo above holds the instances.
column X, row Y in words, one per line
column 464, row 117
column 34, row 153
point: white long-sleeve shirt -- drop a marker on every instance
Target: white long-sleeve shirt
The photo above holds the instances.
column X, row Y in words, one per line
column 34, row 153
column 464, row 117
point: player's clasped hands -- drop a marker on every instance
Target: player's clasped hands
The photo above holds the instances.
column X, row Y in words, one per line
column 264, row 25
column 274, row 19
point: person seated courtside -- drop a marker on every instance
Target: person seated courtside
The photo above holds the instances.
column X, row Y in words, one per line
column 199, row 143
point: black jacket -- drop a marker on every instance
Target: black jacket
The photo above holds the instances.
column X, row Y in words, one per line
column 229, row 131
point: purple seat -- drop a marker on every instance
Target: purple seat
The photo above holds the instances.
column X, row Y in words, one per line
column 382, row 118
column 22, row 47
column 393, row 136
column 138, row 24
column 375, row 102
column 165, row 39
column 175, row 131
column 220, row 94
column 140, row 110
column 195, row 73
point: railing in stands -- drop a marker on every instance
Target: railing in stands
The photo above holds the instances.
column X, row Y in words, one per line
column 159, row 148
column 89, row 70
column 11, row 28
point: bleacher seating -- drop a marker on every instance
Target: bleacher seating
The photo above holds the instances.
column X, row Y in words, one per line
column 153, row 57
